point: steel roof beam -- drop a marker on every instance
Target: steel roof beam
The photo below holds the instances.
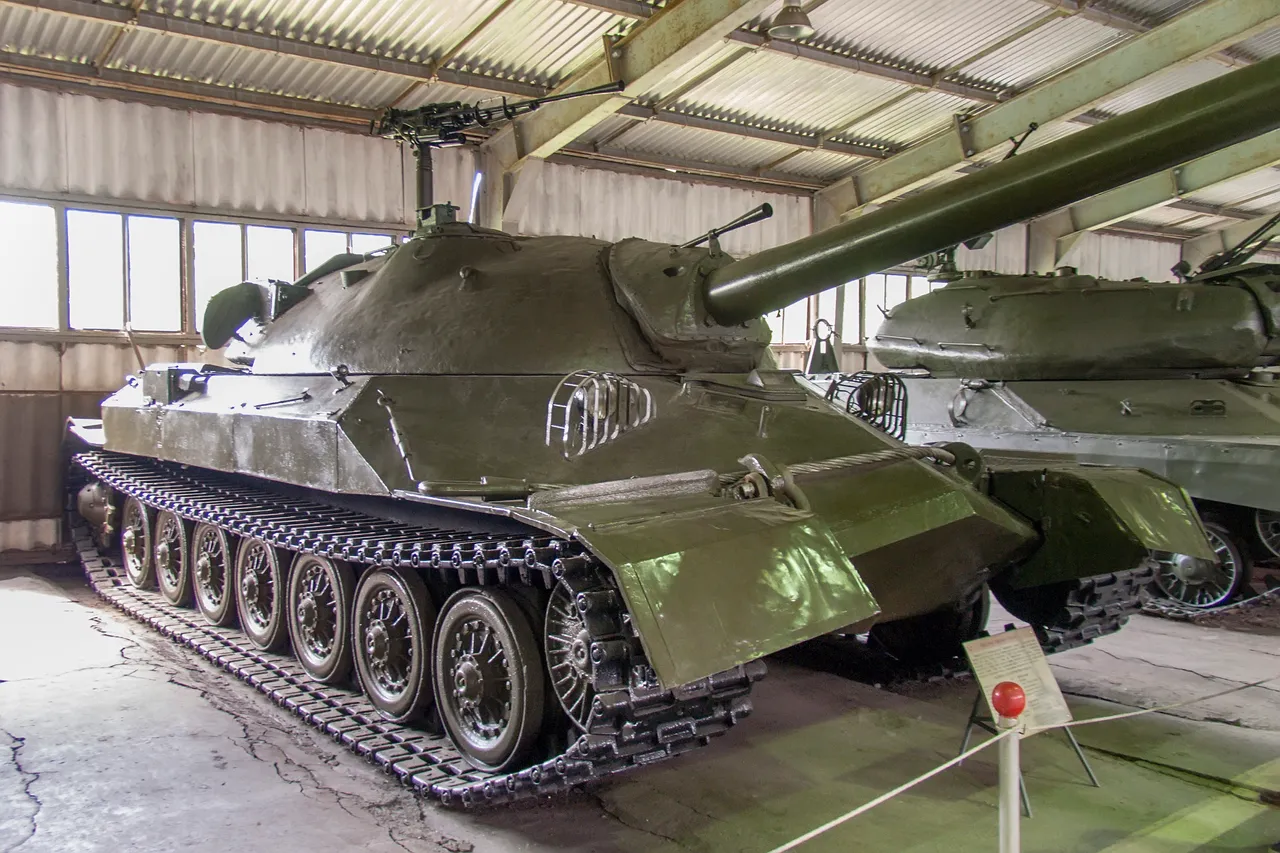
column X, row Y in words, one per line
column 1054, row 236
column 1193, row 34
column 1199, row 249
column 643, row 58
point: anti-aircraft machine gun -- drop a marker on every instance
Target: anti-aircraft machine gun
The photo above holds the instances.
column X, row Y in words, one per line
column 551, row 502
column 441, row 124
column 1174, row 377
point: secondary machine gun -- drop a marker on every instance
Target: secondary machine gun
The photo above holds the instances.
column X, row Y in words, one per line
column 443, row 124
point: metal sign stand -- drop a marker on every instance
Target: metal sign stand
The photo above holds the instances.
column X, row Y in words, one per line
column 978, row 720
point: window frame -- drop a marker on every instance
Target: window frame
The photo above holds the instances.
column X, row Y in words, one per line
column 187, row 216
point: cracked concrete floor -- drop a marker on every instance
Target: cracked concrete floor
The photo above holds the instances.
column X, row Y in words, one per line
column 111, row 738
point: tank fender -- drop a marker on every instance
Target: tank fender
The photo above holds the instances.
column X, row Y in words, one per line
column 1095, row 520
column 712, row 583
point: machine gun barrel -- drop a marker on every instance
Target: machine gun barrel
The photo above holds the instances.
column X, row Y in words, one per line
column 1190, row 124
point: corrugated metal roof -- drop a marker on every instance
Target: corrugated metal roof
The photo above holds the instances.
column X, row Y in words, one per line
column 1152, row 12
column 823, row 165
column 771, row 90
column 413, row 31
column 1264, row 45
column 153, row 52
column 539, row 41
column 909, row 120
column 707, row 146
column 36, row 33
column 695, row 68
column 919, row 34
column 1162, row 85
column 1247, row 191
column 1050, row 49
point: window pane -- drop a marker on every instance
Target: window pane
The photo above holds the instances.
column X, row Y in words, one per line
column 155, row 274
column 852, row 313
column 270, row 253
column 919, row 286
column 795, row 323
column 826, row 308
column 95, row 269
column 895, row 290
column 29, row 257
column 875, row 303
column 320, row 246
column 365, row 243
column 218, row 262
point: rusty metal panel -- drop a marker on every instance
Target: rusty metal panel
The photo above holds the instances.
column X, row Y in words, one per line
column 29, row 366
column 30, row 535
column 30, row 436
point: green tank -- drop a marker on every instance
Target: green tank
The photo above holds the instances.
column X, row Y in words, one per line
column 1173, row 377
column 549, row 499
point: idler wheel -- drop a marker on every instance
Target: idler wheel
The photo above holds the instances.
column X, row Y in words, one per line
column 568, row 648
column 172, row 558
column 391, row 641
column 319, row 608
column 937, row 636
column 488, row 678
column 260, row 593
column 1203, row 583
column 136, row 525
column 213, row 575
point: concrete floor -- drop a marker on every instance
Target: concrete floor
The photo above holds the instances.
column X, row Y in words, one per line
column 113, row 739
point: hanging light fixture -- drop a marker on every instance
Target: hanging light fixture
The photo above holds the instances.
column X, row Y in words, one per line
column 791, row 22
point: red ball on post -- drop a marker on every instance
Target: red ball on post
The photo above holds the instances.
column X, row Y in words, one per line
column 1009, row 699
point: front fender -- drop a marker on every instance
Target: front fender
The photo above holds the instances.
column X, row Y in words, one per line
column 1095, row 520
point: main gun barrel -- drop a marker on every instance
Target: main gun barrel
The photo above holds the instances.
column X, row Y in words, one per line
column 1231, row 108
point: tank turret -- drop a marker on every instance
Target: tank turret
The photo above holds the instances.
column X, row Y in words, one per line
column 550, row 498
column 1174, row 377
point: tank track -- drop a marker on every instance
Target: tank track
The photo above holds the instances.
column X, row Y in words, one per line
column 1096, row 606
column 633, row 721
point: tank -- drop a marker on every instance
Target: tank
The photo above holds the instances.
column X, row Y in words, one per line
column 1173, row 377
column 549, row 499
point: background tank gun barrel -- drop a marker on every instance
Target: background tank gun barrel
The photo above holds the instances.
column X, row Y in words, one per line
column 1190, row 124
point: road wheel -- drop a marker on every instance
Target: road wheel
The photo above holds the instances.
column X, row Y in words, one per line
column 213, row 574
column 135, row 543
column 172, row 558
column 1201, row 583
column 320, row 593
column 391, row 640
column 488, row 678
column 260, row 593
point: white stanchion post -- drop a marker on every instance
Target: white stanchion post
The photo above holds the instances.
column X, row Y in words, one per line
column 1009, row 701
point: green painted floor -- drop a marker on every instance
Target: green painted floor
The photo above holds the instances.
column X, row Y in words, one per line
column 113, row 739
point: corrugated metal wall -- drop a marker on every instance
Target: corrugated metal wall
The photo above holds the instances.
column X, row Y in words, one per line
column 52, row 142
column 614, row 205
column 1121, row 257
column 41, row 385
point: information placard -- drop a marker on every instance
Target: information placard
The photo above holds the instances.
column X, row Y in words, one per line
column 1016, row 656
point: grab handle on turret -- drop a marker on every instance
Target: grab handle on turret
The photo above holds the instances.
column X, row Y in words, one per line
column 751, row 217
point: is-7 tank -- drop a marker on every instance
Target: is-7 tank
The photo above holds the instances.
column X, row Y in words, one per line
column 1174, row 377
column 550, row 498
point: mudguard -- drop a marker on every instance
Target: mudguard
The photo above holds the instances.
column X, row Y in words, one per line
column 1097, row 520
column 711, row 583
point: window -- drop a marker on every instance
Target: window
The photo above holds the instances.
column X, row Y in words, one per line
column 269, row 253
column 95, row 269
column 218, row 261
column 826, row 308
column 155, row 273
column 920, row 285
column 852, row 312
column 362, row 244
column 320, row 246
column 29, row 258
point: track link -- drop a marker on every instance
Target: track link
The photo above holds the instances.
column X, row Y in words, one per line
column 633, row 721
column 1095, row 607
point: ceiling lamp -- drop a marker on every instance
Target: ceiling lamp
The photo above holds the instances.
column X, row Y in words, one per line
column 791, row 23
